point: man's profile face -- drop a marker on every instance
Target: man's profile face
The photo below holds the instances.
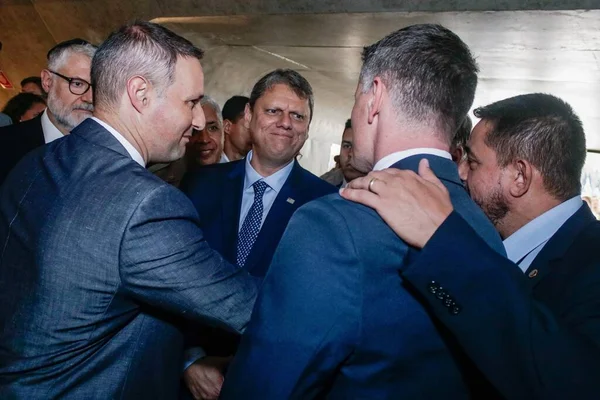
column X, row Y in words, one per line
column 485, row 179
column 278, row 124
column 69, row 109
column 175, row 112
column 348, row 170
column 206, row 146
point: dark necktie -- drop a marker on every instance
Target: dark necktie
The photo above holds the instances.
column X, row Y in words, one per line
column 251, row 226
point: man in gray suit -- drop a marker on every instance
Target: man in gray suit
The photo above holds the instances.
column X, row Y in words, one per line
column 101, row 260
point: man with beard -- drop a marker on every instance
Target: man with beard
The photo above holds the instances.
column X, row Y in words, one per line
column 67, row 82
column 531, row 322
column 340, row 176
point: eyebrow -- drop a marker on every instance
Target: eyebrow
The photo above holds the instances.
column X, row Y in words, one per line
column 346, row 142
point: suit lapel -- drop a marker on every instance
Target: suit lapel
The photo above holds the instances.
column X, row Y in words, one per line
column 554, row 250
column 279, row 215
column 231, row 195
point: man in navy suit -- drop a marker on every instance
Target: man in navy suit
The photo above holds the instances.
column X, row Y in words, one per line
column 101, row 261
column 531, row 322
column 278, row 113
column 333, row 319
column 69, row 102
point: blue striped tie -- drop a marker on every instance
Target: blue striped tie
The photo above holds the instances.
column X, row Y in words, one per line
column 251, row 226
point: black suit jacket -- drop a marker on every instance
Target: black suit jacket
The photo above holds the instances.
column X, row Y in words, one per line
column 534, row 335
column 17, row 140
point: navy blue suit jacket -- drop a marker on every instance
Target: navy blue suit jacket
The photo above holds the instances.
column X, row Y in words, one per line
column 17, row 140
column 100, row 260
column 216, row 192
column 335, row 319
column 534, row 335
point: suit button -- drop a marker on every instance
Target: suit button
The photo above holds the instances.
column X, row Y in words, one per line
column 533, row 273
column 433, row 287
column 455, row 309
column 441, row 294
column 449, row 302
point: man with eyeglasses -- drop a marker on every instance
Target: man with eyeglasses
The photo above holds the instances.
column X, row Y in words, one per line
column 67, row 82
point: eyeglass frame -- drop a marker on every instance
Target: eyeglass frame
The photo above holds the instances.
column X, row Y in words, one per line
column 71, row 80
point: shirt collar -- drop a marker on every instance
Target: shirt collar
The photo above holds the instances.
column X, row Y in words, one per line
column 224, row 158
column 137, row 157
column 540, row 229
column 51, row 132
column 393, row 158
column 275, row 181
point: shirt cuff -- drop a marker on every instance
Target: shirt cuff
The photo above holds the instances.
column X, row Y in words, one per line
column 191, row 355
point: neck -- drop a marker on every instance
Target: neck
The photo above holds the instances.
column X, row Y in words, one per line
column 62, row 128
column 521, row 214
column 264, row 168
column 131, row 134
column 232, row 152
column 398, row 133
column 383, row 150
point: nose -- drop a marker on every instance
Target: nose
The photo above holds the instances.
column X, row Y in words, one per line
column 203, row 136
column 88, row 97
column 198, row 118
column 285, row 121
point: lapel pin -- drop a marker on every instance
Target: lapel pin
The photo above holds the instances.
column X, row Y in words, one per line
column 290, row 200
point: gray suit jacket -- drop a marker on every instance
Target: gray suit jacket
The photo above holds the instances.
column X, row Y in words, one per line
column 100, row 261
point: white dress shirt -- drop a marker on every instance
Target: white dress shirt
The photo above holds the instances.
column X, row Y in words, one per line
column 393, row 158
column 50, row 130
column 274, row 184
column 137, row 157
column 525, row 244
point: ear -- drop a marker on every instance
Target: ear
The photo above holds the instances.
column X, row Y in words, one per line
column 46, row 80
column 521, row 175
column 139, row 92
column 247, row 116
column 227, row 126
column 375, row 102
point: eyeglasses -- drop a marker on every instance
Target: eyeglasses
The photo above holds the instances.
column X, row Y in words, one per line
column 76, row 86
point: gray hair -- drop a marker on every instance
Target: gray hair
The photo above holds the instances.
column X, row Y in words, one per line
column 215, row 106
column 430, row 73
column 58, row 58
column 141, row 48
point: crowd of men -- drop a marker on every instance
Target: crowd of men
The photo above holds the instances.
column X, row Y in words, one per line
column 156, row 246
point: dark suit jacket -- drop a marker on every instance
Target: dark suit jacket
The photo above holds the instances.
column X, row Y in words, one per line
column 99, row 261
column 334, row 319
column 534, row 335
column 17, row 140
column 216, row 192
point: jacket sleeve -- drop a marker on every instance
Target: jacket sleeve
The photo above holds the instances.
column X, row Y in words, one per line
column 305, row 323
column 165, row 262
column 522, row 346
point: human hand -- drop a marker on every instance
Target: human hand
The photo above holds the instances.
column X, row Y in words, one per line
column 414, row 206
column 204, row 378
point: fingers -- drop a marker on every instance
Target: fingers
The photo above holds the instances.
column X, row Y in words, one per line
column 426, row 173
column 361, row 196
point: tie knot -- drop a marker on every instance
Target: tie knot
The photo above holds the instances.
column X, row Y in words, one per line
column 259, row 188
